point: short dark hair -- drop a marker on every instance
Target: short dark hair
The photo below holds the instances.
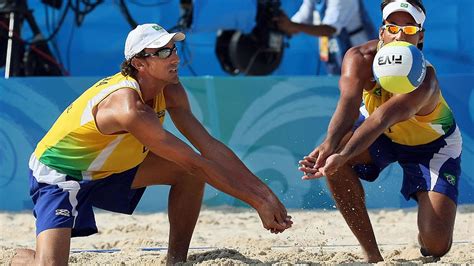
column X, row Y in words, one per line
column 416, row 3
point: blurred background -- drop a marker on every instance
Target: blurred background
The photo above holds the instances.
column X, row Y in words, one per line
column 86, row 37
column 271, row 109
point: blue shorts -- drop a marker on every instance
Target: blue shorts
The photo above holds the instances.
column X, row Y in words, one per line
column 435, row 166
column 68, row 203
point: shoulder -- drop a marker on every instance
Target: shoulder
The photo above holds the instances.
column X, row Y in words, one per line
column 123, row 100
column 358, row 59
column 430, row 84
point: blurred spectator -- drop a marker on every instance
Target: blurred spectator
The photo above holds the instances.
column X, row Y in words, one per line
column 340, row 24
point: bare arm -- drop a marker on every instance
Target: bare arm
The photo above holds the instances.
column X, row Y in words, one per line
column 123, row 111
column 290, row 27
column 249, row 188
column 399, row 108
column 355, row 72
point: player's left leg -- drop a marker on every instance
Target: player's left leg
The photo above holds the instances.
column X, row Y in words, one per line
column 349, row 196
column 431, row 176
column 436, row 215
column 184, row 202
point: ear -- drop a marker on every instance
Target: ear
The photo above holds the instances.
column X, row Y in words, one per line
column 422, row 37
column 381, row 30
column 137, row 63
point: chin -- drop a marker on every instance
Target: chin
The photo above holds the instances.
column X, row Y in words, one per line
column 174, row 80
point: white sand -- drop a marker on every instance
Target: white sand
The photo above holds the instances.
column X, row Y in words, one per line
column 229, row 235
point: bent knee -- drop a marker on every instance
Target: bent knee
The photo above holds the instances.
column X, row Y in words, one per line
column 343, row 174
column 436, row 245
column 438, row 249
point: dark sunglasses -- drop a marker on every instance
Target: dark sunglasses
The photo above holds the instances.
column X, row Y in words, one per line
column 162, row 53
column 408, row 30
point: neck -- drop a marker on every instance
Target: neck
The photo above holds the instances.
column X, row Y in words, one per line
column 150, row 87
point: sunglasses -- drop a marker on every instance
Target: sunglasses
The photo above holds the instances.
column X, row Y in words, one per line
column 162, row 53
column 408, row 30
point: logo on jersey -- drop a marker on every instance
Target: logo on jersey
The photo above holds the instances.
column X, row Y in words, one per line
column 62, row 212
column 161, row 113
column 450, row 178
column 378, row 91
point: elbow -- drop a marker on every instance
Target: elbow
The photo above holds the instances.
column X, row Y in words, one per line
column 382, row 122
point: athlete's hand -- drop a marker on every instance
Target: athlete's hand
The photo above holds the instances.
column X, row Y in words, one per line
column 333, row 163
column 274, row 216
column 307, row 166
column 311, row 164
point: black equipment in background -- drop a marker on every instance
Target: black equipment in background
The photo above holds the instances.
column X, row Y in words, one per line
column 19, row 57
column 257, row 53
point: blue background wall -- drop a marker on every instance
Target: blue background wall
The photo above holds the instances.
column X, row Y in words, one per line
column 248, row 107
column 270, row 123
column 96, row 47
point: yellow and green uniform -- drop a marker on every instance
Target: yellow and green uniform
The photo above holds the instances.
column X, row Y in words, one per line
column 418, row 129
column 74, row 146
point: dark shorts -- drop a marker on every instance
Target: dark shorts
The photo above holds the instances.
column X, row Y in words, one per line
column 68, row 204
column 435, row 166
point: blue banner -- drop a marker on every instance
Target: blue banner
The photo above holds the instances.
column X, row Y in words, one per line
column 269, row 122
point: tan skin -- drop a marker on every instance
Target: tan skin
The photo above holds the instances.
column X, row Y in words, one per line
column 341, row 149
column 289, row 27
column 170, row 162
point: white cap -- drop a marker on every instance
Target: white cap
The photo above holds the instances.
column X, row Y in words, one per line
column 148, row 36
column 404, row 6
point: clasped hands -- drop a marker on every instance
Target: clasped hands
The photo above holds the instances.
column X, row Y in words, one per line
column 316, row 165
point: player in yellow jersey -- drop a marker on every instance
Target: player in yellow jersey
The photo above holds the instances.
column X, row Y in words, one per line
column 417, row 130
column 109, row 145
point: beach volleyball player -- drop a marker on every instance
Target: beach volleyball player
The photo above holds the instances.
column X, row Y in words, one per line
column 415, row 129
column 109, row 145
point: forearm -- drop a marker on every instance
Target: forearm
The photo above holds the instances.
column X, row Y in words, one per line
column 314, row 30
column 221, row 169
column 255, row 190
column 239, row 184
column 363, row 137
column 342, row 121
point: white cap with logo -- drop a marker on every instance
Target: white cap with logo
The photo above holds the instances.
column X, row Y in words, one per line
column 148, row 36
column 404, row 6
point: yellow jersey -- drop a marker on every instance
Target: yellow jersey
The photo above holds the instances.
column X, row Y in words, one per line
column 74, row 145
column 418, row 129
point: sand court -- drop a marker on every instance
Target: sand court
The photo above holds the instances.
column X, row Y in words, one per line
column 235, row 236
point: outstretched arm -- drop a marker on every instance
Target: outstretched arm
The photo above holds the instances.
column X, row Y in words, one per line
column 351, row 84
column 290, row 27
column 399, row 108
column 124, row 111
column 238, row 181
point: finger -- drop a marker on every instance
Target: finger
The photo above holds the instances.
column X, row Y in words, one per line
column 288, row 221
column 280, row 220
column 320, row 161
column 306, row 163
column 308, row 170
column 310, row 158
column 314, row 153
column 309, row 176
